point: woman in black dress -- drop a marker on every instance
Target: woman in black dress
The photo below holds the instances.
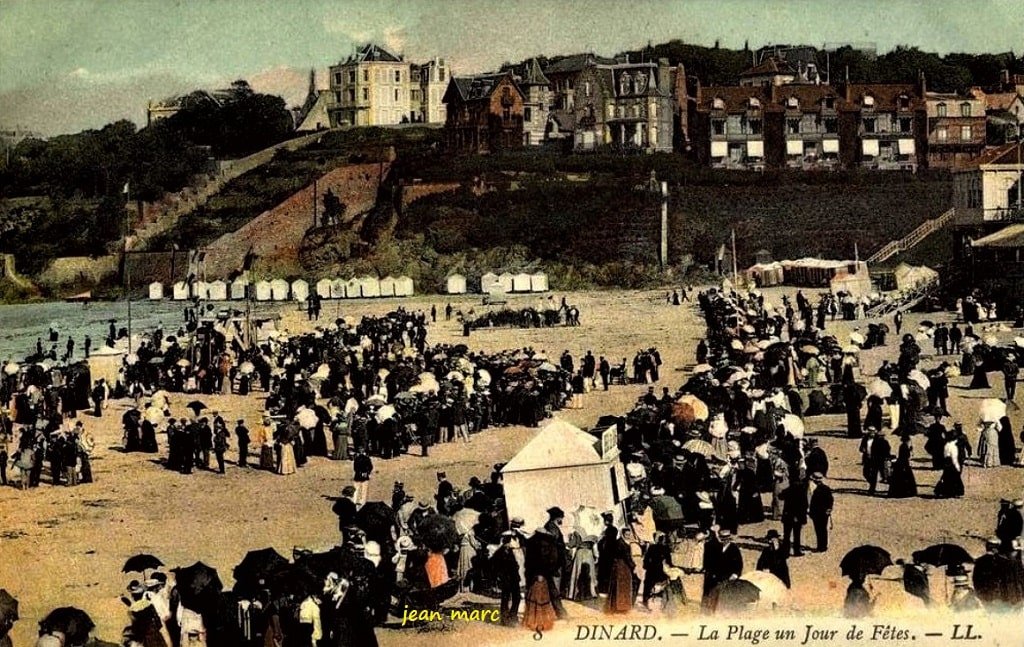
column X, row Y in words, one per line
column 874, row 415
column 1007, row 446
column 902, row 483
column 950, row 484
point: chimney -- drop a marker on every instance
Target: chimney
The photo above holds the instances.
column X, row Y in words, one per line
column 1005, row 74
column 922, row 86
column 664, row 77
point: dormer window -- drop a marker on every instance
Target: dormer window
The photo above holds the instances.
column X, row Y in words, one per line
column 904, row 102
column 830, row 103
column 940, row 110
column 754, row 103
column 718, row 103
column 792, row 103
column 868, row 101
column 965, row 109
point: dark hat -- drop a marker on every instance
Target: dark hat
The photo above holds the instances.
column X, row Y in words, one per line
column 474, row 482
column 724, row 533
column 441, row 475
column 556, row 512
column 817, row 476
column 772, row 534
column 517, row 522
column 348, row 490
column 241, row 421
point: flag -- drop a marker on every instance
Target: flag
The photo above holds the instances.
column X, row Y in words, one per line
column 125, row 189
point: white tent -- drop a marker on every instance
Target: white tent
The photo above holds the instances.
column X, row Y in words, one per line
column 263, row 291
column 353, row 289
column 521, row 282
column 156, row 291
column 323, row 289
column 387, row 286
column 456, row 284
column 339, row 289
column 857, row 285
column 909, row 277
column 489, row 283
column 279, row 290
column 180, row 291
column 507, row 282
column 239, row 287
column 300, row 290
column 539, row 282
column 200, row 290
column 404, row 286
column 217, row 290
column 370, row 286
column 562, row 467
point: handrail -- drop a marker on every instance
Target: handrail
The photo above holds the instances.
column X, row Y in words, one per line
column 919, row 233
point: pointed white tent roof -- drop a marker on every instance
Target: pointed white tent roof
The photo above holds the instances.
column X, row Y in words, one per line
column 559, row 444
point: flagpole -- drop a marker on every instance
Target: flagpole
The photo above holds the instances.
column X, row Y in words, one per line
column 127, row 266
column 734, row 257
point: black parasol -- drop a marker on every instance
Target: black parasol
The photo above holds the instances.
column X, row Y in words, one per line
column 74, row 623
column 196, row 406
column 437, row 532
column 141, row 563
column 8, row 612
column 863, row 561
column 199, row 586
column 377, row 520
column 734, row 596
column 294, row 579
column 943, row 555
column 255, row 566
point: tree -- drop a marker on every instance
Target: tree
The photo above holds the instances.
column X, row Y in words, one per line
column 334, row 209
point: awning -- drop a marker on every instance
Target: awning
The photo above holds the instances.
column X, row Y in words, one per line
column 906, row 146
column 794, row 147
column 830, row 145
column 719, row 149
column 755, row 148
column 871, row 147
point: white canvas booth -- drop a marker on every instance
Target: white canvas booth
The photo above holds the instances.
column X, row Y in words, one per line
column 404, row 286
column 201, row 290
column 217, row 290
column 370, row 286
column 909, row 277
column 263, row 291
column 521, row 282
column 507, row 281
column 539, row 282
column 239, row 287
column 387, row 286
column 456, row 284
column 490, row 284
column 279, row 290
column 156, row 291
column 341, row 288
column 180, row 291
column 565, row 466
column 300, row 290
column 352, row 289
column 323, row 288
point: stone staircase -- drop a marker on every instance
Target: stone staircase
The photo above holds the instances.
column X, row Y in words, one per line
column 909, row 241
column 177, row 205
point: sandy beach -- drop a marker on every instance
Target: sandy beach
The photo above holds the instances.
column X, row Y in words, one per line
column 65, row 546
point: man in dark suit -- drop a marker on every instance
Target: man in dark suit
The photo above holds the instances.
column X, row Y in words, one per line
column 820, row 510
column 1009, row 524
column 546, row 557
column 774, row 559
column 345, row 508
column 794, row 516
column 731, row 562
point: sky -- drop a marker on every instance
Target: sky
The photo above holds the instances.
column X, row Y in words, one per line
column 66, row 65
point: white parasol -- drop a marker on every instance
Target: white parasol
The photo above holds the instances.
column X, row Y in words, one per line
column 385, row 412
column 306, row 418
column 247, row 368
column 11, row 368
column 992, row 410
column 794, row 425
column 857, row 338
column 880, row 388
column 773, row 590
column 919, row 378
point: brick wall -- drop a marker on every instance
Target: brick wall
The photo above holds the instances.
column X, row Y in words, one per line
column 275, row 235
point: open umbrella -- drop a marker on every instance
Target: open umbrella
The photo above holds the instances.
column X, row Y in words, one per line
column 141, row 563
column 196, row 406
column 793, row 424
column 736, row 344
column 927, row 324
column 943, row 555
column 690, row 408
column 772, row 590
column 465, row 519
column 376, row 400
column 385, row 412
column 437, row 532
column 11, row 368
column 703, row 368
column 880, row 388
column 377, row 520
column 306, row 418
column 856, row 338
column 992, row 410
column 547, row 367
column 8, row 611
column 184, row 363
column 919, row 378
column 294, row 579
column 246, row 368
column 588, row 521
column 734, row 596
column 199, row 586
column 863, row 561
column 74, row 623
column 698, row 446
column 255, row 566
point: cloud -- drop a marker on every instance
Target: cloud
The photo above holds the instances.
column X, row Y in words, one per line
column 79, row 73
column 288, row 82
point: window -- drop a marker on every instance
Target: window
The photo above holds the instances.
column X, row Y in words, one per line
column 869, row 125
column 352, row 95
column 527, row 114
column 792, row 102
column 755, row 126
column 754, row 103
column 398, row 96
column 337, row 97
column 440, row 74
column 366, row 94
column 366, row 76
column 940, row 110
column 965, row 109
column 905, row 124
column 586, row 89
column 398, row 76
column 868, row 101
column 506, row 114
column 965, row 133
column 942, row 134
column 718, row 104
column 718, row 126
column 830, row 103
column 352, row 76
column 337, row 78
column 793, row 126
column 831, row 125
column 904, row 102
